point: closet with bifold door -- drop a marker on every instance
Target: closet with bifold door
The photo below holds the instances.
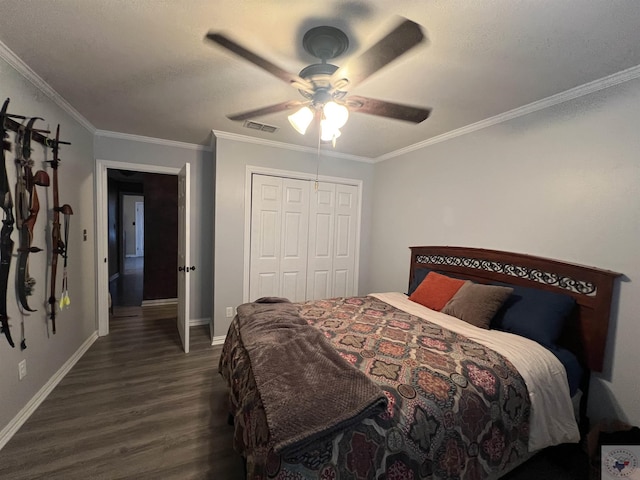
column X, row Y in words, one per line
column 303, row 238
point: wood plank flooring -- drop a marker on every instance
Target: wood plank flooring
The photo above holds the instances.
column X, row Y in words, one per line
column 126, row 289
column 134, row 406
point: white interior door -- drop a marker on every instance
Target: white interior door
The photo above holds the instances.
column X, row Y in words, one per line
column 184, row 261
column 333, row 224
column 279, row 229
column 303, row 241
column 345, row 233
column 266, row 227
column 321, row 242
column 295, row 230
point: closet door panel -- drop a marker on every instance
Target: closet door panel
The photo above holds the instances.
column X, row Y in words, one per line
column 321, row 283
column 295, row 234
column 341, row 279
column 266, row 226
column 346, row 220
column 321, row 241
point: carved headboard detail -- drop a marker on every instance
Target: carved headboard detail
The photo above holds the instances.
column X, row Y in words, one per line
column 585, row 333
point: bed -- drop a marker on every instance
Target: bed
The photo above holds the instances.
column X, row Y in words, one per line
column 381, row 386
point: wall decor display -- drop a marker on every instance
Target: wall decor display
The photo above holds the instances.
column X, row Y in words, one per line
column 27, row 207
column 6, row 244
column 58, row 246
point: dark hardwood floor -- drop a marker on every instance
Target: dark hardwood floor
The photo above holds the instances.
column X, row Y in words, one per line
column 134, row 406
column 126, row 289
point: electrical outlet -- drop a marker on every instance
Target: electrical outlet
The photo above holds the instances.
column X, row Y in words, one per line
column 229, row 312
column 22, row 369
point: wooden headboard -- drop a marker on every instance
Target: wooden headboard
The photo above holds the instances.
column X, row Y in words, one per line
column 585, row 333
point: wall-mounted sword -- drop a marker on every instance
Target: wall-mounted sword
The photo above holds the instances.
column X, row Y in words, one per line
column 59, row 247
column 27, row 208
column 6, row 244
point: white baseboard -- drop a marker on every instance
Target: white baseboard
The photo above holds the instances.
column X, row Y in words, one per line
column 24, row 414
column 160, row 301
column 219, row 340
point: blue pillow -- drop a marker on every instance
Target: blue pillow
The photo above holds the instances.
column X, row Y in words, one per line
column 571, row 366
column 418, row 277
column 535, row 314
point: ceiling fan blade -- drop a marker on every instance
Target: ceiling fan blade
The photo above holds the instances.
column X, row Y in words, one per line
column 278, row 107
column 381, row 108
column 400, row 40
column 273, row 69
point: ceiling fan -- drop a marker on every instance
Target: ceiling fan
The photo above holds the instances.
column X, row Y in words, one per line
column 325, row 86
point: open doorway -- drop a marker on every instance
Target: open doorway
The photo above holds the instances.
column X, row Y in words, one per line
column 126, row 258
column 142, row 240
column 104, row 256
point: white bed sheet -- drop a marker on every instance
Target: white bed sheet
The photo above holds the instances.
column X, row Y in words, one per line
column 552, row 420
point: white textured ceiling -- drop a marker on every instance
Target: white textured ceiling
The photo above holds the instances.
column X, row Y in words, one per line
column 142, row 67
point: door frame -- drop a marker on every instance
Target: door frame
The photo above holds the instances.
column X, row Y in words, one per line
column 122, row 240
column 250, row 171
column 102, row 231
column 184, row 257
column 139, row 228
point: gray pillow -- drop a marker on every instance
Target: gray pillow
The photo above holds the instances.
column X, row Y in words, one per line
column 477, row 304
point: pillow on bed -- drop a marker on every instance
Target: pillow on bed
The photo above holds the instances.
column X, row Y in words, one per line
column 476, row 303
column 418, row 276
column 436, row 290
column 571, row 366
column 535, row 314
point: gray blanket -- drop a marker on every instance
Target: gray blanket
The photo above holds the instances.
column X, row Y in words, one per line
column 308, row 390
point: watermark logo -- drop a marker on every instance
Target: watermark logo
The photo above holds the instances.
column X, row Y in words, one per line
column 620, row 461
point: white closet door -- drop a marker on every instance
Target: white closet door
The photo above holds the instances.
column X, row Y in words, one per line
column 344, row 257
column 295, row 231
column 321, row 241
column 303, row 240
column 333, row 222
column 266, row 225
column 279, row 232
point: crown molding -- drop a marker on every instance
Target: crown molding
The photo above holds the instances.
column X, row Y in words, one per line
column 23, row 69
column 580, row 91
column 152, row 140
column 289, row 146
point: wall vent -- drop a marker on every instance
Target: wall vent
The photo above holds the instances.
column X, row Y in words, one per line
column 260, row 126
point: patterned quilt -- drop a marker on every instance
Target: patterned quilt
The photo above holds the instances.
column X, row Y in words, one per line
column 456, row 410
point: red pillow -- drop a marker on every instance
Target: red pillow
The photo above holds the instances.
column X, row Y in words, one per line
column 436, row 290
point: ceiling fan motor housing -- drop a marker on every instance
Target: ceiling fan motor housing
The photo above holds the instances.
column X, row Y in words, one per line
column 325, row 42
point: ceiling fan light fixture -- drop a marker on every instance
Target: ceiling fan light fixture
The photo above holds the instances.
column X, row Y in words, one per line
column 301, row 120
column 336, row 114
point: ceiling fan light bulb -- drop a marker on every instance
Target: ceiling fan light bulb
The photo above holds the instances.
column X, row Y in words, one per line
column 328, row 132
column 337, row 114
column 301, row 119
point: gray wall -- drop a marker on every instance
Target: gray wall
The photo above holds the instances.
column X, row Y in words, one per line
column 134, row 150
column 232, row 159
column 563, row 183
column 46, row 353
